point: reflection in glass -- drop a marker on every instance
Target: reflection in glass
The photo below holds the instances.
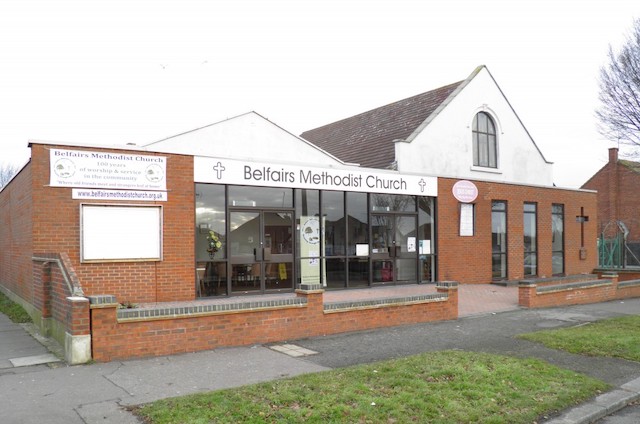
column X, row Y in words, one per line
column 270, row 197
column 392, row 202
column 358, row 272
column 425, row 238
column 357, row 221
column 245, row 233
column 334, row 272
column 334, row 225
column 530, row 239
column 499, row 239
column 210, row 215
column 557, row 241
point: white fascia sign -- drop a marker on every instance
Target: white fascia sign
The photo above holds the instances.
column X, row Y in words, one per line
column 235, row 172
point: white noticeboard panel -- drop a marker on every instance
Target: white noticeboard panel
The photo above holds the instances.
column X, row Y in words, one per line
column 466, row 220
column 129, row 233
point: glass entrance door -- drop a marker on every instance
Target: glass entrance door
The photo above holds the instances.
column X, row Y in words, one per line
column 394, row 250
column 261, row 250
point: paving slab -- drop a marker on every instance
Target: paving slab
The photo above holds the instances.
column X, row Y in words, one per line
column 27, row 361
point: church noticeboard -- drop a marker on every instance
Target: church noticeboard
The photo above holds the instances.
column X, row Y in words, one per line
column 93, row 169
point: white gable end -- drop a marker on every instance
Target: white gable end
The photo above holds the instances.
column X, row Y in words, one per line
column 246, row 137
column 444, row 146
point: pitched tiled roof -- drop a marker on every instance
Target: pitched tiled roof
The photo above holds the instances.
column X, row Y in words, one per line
column 367, row 138
column 634, row 166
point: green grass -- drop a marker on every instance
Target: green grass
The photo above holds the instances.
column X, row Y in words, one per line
column 435, row 387
column 15, row 312
column 616, row 337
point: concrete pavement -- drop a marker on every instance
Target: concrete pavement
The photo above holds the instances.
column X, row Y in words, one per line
column 98, row 393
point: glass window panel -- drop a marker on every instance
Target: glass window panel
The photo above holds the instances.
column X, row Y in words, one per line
column 382, row 271
column 358, row 272
column 557, row 263
column 334, row 273
column 530, row 264
column 482, row 122
column 483, row 150
column 334, row 228
column 393, row 202
column 499, row 266
column 492, row 151
column 268, row 197
column 357, row 220
column 499, row 239
column 210, row 215
column 476, row 159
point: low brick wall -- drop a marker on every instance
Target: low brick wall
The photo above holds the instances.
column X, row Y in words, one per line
column 128, row 333
column 574, row 290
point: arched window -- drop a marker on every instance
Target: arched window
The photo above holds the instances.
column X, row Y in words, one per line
column 484, row 141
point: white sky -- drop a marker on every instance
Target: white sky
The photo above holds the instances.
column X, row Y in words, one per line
column 119, row 71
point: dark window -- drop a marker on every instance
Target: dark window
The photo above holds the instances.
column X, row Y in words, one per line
column 499, row 239
column 557, row 240
column 484, row 141
column 530, row 239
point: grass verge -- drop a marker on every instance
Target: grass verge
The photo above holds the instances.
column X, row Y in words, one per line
column 435, row 387
column 616, row 337
column 15, row 312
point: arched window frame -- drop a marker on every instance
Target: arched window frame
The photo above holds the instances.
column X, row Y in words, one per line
column 485, row 140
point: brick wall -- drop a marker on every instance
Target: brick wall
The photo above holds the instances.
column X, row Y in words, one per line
column 576, row 291
column 618, row 195
column 56, row 224
column 113, row 340
column 16, row 243
column 468, row 259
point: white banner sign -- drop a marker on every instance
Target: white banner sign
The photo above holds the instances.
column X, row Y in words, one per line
column 79, row 168
column 228, row 171
column 99, row 194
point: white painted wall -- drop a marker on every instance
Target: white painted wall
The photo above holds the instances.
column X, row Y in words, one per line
column 444, row 147
column 247, row 137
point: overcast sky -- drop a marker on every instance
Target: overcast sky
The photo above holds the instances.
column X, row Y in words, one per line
column 115, row 72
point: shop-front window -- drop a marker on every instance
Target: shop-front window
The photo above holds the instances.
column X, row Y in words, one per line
column 211, row 238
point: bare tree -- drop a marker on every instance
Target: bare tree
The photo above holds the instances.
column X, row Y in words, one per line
column 7, row 171
column 619, row 111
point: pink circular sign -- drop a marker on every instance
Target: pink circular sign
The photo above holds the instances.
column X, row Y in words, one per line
column 465, row 191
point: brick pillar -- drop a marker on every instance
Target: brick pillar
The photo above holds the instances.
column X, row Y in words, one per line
column 77, row 338
column 104, row 323
column 315, row 298
column 451, row 288
column 527, row 293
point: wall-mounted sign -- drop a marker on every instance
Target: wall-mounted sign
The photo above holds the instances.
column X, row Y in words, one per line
column 228, row 171
column 80, row 168
column 465, row 191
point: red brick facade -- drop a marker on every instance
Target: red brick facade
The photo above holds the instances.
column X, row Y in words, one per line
column 468, row 259
column 56, row 227
column 41, row 222
column 618, row 195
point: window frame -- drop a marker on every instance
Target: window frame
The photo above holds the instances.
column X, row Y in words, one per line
column 491, row 135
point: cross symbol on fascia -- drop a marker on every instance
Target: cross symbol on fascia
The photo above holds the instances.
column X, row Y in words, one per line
column 422, row 183
column 219, row 168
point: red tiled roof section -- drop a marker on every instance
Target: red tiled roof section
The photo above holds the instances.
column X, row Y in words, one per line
column 367, row 138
